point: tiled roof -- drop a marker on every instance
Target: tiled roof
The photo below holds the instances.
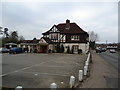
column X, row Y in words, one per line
column 74, row 28
column 29, row 41
column 47, row 40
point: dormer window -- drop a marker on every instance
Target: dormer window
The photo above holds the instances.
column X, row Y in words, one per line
column 75, row 37
column 67, row 28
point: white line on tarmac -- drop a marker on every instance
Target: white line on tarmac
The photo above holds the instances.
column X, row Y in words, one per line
column 24, row 68
column 53, row 74
column 36, row 74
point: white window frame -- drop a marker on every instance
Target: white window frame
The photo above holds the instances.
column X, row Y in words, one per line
column 75, row 38
column 75, row 48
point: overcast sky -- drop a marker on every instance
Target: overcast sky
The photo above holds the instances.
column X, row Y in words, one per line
column 31, row 19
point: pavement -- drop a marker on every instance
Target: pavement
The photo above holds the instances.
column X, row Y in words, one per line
column 40, row 70
column 102, row 74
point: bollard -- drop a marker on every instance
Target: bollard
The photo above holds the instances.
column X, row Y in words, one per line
column 80, row 75
column 53, row 86
column 85, row 70
column 87, row 67
column 88, row 59
column 89, row 55
column 86, row 63
column 72, row 81
column 18, row 88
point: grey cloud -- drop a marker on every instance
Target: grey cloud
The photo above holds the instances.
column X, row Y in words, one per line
column 36, row 18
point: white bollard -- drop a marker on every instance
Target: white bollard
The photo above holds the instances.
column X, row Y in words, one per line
column 53, row 86
column 85, row 70
column 89, row 55
column 88, row 59
column 72, row 81
column 86, row 63
column 80, row 75
column 18, row 88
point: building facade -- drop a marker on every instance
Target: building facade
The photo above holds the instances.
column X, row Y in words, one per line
column 66, row 34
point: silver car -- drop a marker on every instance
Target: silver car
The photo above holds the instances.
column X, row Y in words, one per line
column 112, row 51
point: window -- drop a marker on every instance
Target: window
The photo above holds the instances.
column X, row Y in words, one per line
column 75, row 37
column 54, row 36
column 75, row 47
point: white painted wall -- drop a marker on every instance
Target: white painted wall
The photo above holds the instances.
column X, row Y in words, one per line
column 50, row 46
column 82, row 46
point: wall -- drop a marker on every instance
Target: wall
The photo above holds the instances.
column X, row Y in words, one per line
column 82, row 46
column 50, row 47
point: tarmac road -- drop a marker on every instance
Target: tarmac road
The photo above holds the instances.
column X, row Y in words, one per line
column 112, row 59
column 103, row 71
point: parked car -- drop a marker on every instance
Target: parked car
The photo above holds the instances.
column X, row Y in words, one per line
column 112, row 51
column 98, row 50
column 16, row 50
column 103, row 49
column 4, row 50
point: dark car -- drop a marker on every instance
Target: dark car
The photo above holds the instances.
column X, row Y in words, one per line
column 15, row 50
column 98, row 50
column 103, row 49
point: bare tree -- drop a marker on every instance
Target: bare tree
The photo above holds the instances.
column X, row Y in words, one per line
column 93, row 37
column 21, row 38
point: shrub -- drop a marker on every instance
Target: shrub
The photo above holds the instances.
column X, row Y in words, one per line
column 68, row 49
column 53, row 51
column 62, row 49
column 49, row 51
column 72, row 50
column 79, row 51
column 58, row 48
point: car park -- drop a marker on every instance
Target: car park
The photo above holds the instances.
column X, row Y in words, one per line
column 16, row 50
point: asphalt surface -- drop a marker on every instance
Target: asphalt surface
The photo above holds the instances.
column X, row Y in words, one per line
column 113, row 60
column 103, row 71
column 40, row 70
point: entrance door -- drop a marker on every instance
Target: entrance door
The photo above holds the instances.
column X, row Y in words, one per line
column 43, row 48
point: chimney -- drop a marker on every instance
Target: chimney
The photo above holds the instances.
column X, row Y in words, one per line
column 67, row 24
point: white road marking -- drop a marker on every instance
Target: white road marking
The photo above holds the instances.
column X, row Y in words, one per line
column 54, row 74
column 16, row 71
column 24, row 68
column 57, row 74
column 3, row 75
column 36, row 74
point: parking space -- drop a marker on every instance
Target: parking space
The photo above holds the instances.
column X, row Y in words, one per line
column 40, row 70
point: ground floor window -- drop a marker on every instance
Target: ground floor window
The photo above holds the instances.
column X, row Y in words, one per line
column 75, row 47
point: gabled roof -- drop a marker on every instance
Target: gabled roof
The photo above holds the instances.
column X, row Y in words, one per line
column 47, row 40
column 74, row 28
